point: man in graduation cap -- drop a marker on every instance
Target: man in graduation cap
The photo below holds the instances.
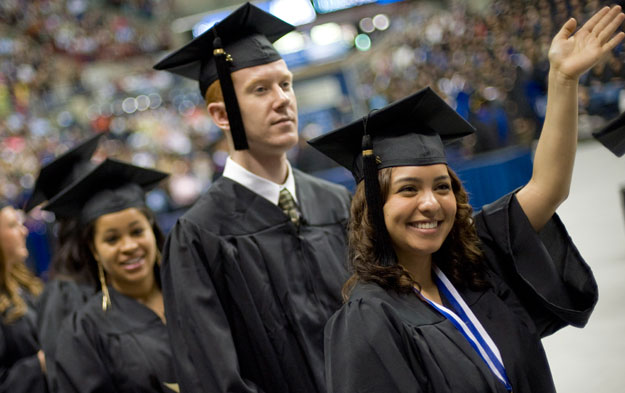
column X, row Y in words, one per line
column 254, row 269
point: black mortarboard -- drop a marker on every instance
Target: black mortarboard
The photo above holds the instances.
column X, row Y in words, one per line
column 243, row 39
column 61, row 172
column 408, row 132
column 110, row 187
column 612, row 135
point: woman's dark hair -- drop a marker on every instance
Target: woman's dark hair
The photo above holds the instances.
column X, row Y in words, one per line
column 79, row 241
column 459, row 257
column 68, row 262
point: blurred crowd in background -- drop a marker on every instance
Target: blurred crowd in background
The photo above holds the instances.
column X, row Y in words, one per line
column 69, row 68
column 492, row 66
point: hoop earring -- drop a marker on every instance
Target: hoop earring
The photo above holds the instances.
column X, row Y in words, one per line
column 106, row 299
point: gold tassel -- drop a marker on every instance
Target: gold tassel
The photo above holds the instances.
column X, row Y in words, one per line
column 172, row 386
column 106, row 299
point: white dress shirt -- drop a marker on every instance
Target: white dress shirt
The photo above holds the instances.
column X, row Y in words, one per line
column 261, row 186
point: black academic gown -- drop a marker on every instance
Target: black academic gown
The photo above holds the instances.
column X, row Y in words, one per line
column 247, row 293
column 20, row 370
column 60, row 298
column 124, row 349
column 386, row 342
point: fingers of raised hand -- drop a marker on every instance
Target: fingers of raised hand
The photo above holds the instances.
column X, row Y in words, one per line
column 598, row 26
column 614, row 41
column 595, row 19
column 611, row 25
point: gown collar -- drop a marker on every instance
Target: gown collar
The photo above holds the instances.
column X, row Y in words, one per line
column 261, row 186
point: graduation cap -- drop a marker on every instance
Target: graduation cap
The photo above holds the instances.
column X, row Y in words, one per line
column 110, row 187
column 612, row 135
column 61, row 172
column 243, row 39
column 408, row 132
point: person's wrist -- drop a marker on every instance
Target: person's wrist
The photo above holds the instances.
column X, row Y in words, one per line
column 562, row 79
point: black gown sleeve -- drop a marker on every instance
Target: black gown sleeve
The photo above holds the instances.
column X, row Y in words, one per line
column 204, row 352
column 59, row 299
column 365, row 352
column 79, row 361
column 544, row 270
column 19, row 374
column 24, row 376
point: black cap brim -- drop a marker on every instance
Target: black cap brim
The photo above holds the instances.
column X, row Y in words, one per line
column 612, row 136
column 60, row 173
column 109, row 175
column 407, row 132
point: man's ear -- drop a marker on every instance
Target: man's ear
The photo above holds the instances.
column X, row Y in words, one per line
column 217, row 110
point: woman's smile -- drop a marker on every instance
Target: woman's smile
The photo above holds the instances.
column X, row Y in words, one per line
column 425, row 227
column 134, row 263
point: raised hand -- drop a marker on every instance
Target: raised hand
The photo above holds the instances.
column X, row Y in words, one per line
column 573, row 53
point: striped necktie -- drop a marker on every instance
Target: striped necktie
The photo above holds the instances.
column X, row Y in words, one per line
column 288, row 206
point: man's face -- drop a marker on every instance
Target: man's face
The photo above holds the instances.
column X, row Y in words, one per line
column 268, row 107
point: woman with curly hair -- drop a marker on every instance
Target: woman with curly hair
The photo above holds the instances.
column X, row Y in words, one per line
column 440, row 300
column 22, row 362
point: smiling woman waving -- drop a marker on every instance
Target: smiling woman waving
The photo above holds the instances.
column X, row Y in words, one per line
column 440, row 300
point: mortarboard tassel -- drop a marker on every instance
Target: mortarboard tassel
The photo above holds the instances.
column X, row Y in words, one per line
column 223, row 61
column 386, row 255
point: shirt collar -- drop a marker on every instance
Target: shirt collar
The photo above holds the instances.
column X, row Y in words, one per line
column 261, row 186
